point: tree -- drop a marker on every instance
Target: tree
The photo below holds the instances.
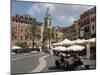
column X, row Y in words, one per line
column 22, row 44
column 48, row 35
column 34, row 32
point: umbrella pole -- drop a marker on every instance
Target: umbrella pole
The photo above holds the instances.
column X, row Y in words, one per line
column 88, row 50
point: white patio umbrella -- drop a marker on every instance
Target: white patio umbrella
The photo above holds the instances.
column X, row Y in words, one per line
column 66, row 42
column 80, row 41
column 91, row 40
column 75, row 48
column 56, row 44
column 16, row 47
column 60, row 48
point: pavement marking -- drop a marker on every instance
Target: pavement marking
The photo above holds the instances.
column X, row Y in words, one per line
column 19, row 55
column 25, row 57
column 42, row 64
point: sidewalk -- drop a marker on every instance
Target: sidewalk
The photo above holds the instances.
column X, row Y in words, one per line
column 90, row 63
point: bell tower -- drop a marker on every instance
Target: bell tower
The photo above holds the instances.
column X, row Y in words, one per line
column 47, row 19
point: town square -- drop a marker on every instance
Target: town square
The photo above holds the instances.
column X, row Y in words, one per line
column 52, row 37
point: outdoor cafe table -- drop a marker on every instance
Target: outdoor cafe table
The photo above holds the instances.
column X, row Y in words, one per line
column 70, row 60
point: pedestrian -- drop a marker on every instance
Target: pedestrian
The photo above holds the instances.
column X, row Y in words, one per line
column 62, row 59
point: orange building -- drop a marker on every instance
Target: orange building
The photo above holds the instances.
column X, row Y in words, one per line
column 20, row 26
column 88, row 23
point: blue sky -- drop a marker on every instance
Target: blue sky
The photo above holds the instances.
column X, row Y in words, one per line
column 62, row 14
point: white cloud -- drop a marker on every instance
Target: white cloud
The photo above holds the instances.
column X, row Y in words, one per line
column 40, row 8
column 63, row 13
column 51, row 6
column 60, row 18
column 33, row 9
column 71, row 20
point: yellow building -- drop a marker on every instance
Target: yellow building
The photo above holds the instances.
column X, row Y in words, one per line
column 59, row 34
column 74, row 31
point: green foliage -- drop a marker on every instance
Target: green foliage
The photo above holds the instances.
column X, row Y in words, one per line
column 48, row 34
column 13, row 33
column 34, row 31
column 23, row 44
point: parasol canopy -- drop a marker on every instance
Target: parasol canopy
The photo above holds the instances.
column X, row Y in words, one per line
column 75, row 48
column 80, row 41
column 66, row 42
column 92, row 40
column 16, row 47
column 60, row 48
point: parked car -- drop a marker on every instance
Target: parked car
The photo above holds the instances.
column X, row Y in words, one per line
column 34, row 49
column 22, row 50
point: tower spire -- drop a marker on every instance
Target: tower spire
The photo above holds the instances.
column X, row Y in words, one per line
column 47, row 19
column 47, row 12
